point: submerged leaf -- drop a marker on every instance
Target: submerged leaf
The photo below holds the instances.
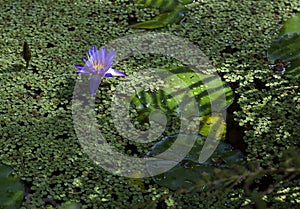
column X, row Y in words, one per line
column 11, row 189
column 162, row 20
column 171, row 11
column 189, row 171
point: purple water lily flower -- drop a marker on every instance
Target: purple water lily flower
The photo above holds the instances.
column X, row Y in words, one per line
column 99, row 65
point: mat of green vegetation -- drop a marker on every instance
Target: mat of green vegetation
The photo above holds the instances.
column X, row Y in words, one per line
column 37, row 138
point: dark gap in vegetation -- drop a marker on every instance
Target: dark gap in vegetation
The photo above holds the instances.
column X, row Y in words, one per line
column 260, row 57
column 114, row 196
column 132, row 19
column 71, row 28
column 161, row 205
column 51, row 201
column 27, row 190
column 20, row 123
column 131, row 149
column 229, row 50
column 50, row 45
column 234, row 133
column 45, row 115
column 88, row 24
column 262, row 184
column 33, row 91
column 62, row 136
column 260, row 85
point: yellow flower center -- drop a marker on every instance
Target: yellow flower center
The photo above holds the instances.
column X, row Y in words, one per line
column 98, row 66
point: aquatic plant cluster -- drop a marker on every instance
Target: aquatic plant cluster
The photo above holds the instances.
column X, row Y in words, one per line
column 254, row 45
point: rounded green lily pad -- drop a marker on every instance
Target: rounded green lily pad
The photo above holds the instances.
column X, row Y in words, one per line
column 189, row 171
column 147, row 101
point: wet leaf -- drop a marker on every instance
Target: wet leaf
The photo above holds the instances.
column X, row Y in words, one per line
column 11, row 190
column 209, row 122
column 284, row 52
column 291, row 25
column 171, row 11
column 147, row 101
column 189, row 171
column 162, row 20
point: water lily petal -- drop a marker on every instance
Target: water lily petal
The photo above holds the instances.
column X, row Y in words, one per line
column 102, row 55
column 95, row 81
column 112, row 72
column 78, row 66
column 98, row 64
column 84, row 69
column 110, row 58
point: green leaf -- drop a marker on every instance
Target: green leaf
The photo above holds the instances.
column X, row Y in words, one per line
column 287, row 48
column 162, row 20
column 184, row 2
column 171, row 11
column 200, row 90
column 148, row 101
column 209, row 122
column 11, row 189
column 162, row 5
column 292, row 25
column 189, row 171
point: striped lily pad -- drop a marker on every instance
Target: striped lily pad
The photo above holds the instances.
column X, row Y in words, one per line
column 146, row 102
